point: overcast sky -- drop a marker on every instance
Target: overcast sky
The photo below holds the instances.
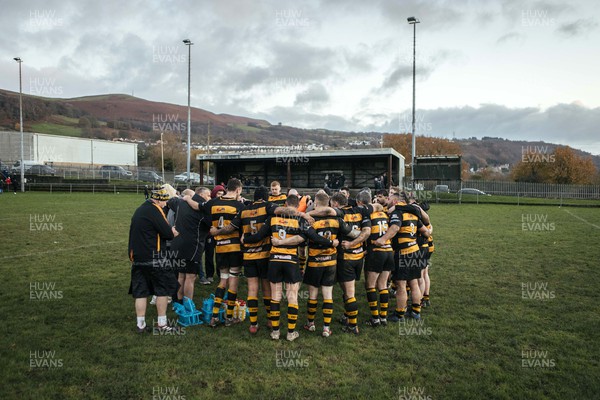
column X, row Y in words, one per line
column 513, row 69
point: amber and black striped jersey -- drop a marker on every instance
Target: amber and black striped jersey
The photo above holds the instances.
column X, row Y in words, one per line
column 405, row 240
column 379, row 226
column 330, row 228
column 357, row 218
column 282, row 228
column 426, row 243
column 249, row 221
column 222, row 211
column 279, row 200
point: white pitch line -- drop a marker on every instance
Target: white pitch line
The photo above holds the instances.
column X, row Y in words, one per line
column 582, row 219
column 59, row 250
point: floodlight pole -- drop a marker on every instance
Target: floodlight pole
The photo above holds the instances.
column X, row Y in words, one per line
column 18, row 59
column 189, row 44
column 162, row 156
column 413, row 21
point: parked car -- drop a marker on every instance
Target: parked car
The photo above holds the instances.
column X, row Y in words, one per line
column 149, row 176
column 472, row 191
column 16, row 168
column 115, row 172
column 442, row 189
column 183, row 177
column 209, row 180
column 40, row 169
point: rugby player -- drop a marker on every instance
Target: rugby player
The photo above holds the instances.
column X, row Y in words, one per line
column 321, row 269
column 256, row 255
column 404, row 227
column 350, row 259
column 381, row 197
column 276, row 196
column 283, row 263
column 428, row 247
column 222, row 210
column 345, row 190
column 379, row 263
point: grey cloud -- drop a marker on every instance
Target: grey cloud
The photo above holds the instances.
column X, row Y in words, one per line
column 397, row 77
column 515, row 10
column 401, row 69
column 572, row 123
column 302, row 60
column 296, row 117
column 316, row 94
column 579, row 27
column 251, row 77
column 510, row 37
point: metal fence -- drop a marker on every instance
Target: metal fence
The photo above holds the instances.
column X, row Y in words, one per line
column 73, row 173
column 524, row 189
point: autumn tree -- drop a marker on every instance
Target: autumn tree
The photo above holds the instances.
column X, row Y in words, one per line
column 562, row 166
column 174, row 153
column 531, row 169
column 571, row 169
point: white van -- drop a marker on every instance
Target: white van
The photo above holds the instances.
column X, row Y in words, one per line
column 16, row 168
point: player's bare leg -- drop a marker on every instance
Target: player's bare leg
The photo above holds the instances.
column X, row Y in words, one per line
column 415, row 311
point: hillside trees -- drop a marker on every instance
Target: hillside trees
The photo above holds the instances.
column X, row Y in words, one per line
column 561, row 166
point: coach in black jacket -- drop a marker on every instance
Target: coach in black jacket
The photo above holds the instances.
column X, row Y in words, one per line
column 188, row 247
column 151, row 273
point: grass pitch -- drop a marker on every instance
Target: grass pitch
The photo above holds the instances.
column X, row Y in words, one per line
column 514, row 315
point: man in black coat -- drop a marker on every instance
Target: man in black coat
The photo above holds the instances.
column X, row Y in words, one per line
column 151, row 272
column 188, row 247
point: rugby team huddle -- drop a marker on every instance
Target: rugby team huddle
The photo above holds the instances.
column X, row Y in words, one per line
column 283, row 240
